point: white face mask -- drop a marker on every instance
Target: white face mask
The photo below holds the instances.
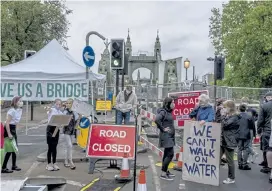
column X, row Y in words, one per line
column 20, row 104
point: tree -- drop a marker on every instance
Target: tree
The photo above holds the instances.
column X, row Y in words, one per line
column 245, row 38
column 30, row 25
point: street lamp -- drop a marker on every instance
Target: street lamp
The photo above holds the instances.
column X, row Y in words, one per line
column 186, row 66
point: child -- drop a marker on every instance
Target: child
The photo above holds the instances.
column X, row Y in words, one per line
column 52, row 141
column 68, row 132
column 13, row 118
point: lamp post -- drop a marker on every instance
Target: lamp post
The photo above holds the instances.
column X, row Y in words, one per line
column 186, row 66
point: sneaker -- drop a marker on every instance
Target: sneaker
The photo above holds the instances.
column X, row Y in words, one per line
column 6, row 170
column 170, row 174
column 72, row 166
column 246, row 167
column 55, row 167
column 66, row 164
column 16, row 168
column 254, row 157
column 265, row 170
column 229, row 181
column 49, row 167
column 166, row 177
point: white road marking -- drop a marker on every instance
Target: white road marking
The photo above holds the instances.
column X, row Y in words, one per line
column 182, row 186
column 25, row 144
column 155, row 174
column 33, row 166
column 36, row 135
column 71, row 182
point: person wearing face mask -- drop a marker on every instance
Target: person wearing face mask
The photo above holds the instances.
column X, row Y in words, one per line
column 264, row 126
column 52, row 142
column 204, row 112
column 165, row 123
column 230, row 132
column 13, row 118
column 126, row 101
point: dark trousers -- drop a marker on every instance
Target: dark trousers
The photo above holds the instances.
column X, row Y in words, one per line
column 52, row 152
column 229, row 157
column 243, row 151
column 7, row 156
column 167, row 158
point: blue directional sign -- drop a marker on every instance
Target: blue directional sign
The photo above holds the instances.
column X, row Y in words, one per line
column 88, row 56
column 84, row 122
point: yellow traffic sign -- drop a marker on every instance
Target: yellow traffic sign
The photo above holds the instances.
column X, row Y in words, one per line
column 103, row 105
column 82, row 137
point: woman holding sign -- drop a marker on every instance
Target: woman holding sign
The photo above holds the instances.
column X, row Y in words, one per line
column 52, row 141
column 10, row 146
column 165, row 123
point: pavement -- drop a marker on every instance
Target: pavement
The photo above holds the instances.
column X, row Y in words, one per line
column 32, row 148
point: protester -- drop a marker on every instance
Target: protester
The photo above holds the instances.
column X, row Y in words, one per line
column 204, row 111
column 253, row 134
column 218, row 113
column 264, row 126
column 68, row 132
column 230, row 129
column 2, row 151
column 269, row 156
column 244, row 138
column 126, row 101
column 165, row 123
column 52, row 141
column 14, row 115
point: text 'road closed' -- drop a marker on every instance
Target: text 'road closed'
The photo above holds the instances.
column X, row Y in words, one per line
column 111, row 141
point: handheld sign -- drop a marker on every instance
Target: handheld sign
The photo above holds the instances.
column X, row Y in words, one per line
column 185, row 102
column 82, row 107
column 111, row 141
column 201, row 152
column 88, row 56
column 58, row 121
column 84, row 122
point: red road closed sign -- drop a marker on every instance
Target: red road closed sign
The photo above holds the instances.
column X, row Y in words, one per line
column 111, row 141
column 184, row 104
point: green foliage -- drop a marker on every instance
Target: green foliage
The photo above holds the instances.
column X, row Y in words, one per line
column 242, row 32
column 29, row 25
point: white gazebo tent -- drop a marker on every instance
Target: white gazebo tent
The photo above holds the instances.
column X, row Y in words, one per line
column 51, row 63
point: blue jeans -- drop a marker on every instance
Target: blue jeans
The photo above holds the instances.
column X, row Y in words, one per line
column 121, row 116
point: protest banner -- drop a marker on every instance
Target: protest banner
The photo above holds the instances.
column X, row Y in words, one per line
column 201, row 152
column 82, row 107
column 44, row 90
column 59, row 121
column 103, row 105
column 111, row 141
column 185, row 102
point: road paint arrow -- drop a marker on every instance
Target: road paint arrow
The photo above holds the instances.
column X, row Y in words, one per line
column 88, row 57
column 82, row 124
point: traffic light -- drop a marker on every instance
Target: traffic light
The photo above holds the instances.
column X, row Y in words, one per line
column 219, row 65
column 117, row 53
column 29, row 53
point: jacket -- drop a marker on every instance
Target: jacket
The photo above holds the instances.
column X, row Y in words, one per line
column 246, row 124
column 70, row 128
column 163, row 120
column 205, row 113
column 125, row 106
column 230, row 131
column 264, row 119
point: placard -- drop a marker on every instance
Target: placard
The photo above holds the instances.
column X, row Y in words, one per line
column 44, row 90
column 82, row 108
column 111, row 141
column 185, row 102
column 201, row 152
column 60, row 120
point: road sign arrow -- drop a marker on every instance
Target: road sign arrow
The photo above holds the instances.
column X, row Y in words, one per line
column 88, row 57
column 82, row 124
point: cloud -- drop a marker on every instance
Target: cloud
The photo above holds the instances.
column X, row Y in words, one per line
column 183, row 28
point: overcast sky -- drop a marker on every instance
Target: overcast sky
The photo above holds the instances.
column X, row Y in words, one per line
column 183, row 28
